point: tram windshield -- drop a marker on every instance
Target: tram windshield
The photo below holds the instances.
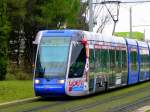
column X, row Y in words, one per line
column 78, row 60
column 52, row 57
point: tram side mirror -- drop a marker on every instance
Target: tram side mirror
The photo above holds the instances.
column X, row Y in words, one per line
column 85, row 44
column 34, row 42
column 84, row 41
column 87, row 51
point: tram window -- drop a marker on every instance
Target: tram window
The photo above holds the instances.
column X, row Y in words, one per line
column 51, row 61
column 39, row 69
column 124, row 60
column 133, row 59
column 112, row 59
column 147, row 61
column 144, row 59
column 91, row 60
column 78, row 60
column 118, row 60
column 141, row 59
column 98, row 64
column 102, row 61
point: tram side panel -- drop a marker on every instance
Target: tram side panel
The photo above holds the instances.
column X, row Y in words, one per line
column 149, row 59
column 118, row 65
column 133, row 69
column 144, row 63
column 97, row 78
column 108, row 67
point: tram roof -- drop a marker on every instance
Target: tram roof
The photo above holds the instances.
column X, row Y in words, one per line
column 119, row 40
column 89, row 35
column 131, row 41
column 99, row 37
column 93, row 36
column 142, row 44
column 55, row 33
column 149, row 45
column 38, row 38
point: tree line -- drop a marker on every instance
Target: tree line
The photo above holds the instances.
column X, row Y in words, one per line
column 20, row 20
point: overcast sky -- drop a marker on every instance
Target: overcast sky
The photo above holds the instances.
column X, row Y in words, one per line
column 140, row 16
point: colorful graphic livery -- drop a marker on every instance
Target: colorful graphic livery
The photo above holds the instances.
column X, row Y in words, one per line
column 78, row 63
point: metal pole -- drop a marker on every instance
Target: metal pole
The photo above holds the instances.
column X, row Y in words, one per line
column 91, row 14
column 144, row 35
column 130, row 22
column 114, row 27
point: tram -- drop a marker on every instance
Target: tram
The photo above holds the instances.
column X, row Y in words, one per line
column 78, row 63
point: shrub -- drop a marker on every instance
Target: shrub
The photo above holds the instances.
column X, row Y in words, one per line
column 3, row 68
column 17, row 73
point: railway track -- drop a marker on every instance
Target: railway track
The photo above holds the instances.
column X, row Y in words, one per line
column 132, row 106
column 115, row 109
column 97, row 103
column 43, row 107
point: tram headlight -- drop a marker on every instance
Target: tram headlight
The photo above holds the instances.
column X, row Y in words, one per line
column 60, row 81
column 37, row 81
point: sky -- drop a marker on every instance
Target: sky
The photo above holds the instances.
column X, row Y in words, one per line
column 140, row 16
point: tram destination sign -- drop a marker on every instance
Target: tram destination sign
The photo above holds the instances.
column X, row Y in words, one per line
column 55, row 41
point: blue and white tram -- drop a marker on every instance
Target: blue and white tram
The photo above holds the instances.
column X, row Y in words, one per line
column 78, row 63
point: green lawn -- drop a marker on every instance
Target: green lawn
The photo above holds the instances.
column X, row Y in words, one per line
column 15, row 90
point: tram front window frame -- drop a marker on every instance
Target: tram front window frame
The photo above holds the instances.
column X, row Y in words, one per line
column 77, row 61
column 52, row 57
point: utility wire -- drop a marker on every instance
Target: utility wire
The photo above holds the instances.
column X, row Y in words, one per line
column 98, row 11
column 113, row 1
column 139, row 25
column 118, row 6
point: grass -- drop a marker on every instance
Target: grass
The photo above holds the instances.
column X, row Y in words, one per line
column 43, row 105
column 107, row 105
column 15, row 90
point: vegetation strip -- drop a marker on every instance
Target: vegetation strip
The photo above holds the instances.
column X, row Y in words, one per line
column 90, row 105
column 15, row 90
column 131, row 106
column 45, row 106
column 100, row 102
column 12, row 103
column 68, row 105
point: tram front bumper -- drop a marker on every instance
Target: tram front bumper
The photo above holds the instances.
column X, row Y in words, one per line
column 49, row 90
column 46, row 88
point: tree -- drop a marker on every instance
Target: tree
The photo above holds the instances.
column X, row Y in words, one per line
column 4, row 32
column 49, row 14
column 57, row 13
column 27, row 17
column 17, row 12
column 82, row 19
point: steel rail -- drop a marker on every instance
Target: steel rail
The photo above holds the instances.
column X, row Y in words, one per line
column 104, row 101
column 131, row 106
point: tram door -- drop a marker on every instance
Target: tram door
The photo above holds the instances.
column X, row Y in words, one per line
column 98, row 69
column 92, row 69
column 133, row 63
